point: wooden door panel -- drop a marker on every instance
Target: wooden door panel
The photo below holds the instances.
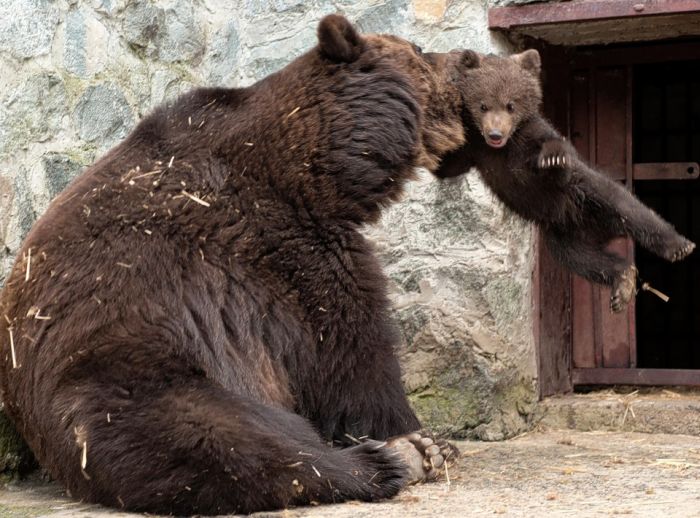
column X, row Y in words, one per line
column 614, row 328
column 611, row 121
column 582, row 317
column 580, row 129
column 600, row 122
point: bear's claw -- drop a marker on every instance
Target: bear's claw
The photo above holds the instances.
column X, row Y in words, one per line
column 623, row 289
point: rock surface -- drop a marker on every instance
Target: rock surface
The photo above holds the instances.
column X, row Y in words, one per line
column 76, row 76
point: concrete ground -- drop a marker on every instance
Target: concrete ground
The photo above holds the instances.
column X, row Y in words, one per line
column 540, row 474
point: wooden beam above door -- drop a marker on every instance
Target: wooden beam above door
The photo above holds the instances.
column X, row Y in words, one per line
column 590, row 22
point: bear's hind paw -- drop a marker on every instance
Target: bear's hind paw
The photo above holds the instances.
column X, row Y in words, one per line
column 424, row 455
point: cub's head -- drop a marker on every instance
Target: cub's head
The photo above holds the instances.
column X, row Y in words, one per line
column 501, row 92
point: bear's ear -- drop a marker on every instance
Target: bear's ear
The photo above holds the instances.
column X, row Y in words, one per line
column 338, row 40
column 470, row 59
column 529, row 60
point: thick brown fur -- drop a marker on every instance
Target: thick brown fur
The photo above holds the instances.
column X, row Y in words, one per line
column 536, row 173
column 198, row 313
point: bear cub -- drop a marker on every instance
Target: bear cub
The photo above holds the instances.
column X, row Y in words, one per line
column 539, row 175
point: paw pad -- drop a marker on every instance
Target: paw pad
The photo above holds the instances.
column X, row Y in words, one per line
column 425, row 456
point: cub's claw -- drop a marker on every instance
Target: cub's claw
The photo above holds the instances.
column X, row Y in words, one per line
column 682, row 252
column 553, row 161
column 554, row 154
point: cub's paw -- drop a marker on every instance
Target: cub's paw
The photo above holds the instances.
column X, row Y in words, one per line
column 554, row 155
column 679, row 250
column 623, row 289
column 424, row 455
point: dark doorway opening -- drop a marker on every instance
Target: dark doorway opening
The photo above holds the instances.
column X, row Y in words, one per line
column 667, row 129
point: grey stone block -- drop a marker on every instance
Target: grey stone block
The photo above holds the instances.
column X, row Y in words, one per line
column 27, row 27
column 33, row 112
column 103, row 114
column 59, row 170
column 180, row 38
column 74, row 54
column 222, row 57
column 141, row 23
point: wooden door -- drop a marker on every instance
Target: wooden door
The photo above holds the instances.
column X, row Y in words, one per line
column 589, row 96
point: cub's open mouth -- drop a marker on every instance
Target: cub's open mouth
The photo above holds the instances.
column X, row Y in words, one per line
column 496, row 142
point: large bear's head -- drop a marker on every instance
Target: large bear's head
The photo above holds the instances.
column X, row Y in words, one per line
column 425, row 83
column 374, row 107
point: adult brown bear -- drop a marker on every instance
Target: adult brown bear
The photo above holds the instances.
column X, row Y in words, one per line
column 197, row 313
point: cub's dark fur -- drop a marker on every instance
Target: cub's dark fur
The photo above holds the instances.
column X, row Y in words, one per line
column 538, row 175
column 198, row 313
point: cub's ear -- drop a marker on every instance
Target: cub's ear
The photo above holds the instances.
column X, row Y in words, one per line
column 338, row 40
column 470, row 59
column 529, row 60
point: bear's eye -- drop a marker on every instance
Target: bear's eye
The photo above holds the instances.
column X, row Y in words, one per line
column 510, row 107
column 484, row 108
column 417, row 50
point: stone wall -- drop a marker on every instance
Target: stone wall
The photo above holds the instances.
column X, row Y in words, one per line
column 76, row 75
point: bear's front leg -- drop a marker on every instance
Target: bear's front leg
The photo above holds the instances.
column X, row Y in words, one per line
column 556, row 155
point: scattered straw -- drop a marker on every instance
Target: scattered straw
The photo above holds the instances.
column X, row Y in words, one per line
column 29, row 265
column 12, row 348
column 150, row 173
column 447, row 472
column 647, row 287
column 83, row 456
column 123, row 265
column 353, row 439
column 109, row 418
column 35, row 312
column 292, row 112
column 249, row 144
column 677, row 463
column 172, row 159
column 196, row 199
column 318, row 474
